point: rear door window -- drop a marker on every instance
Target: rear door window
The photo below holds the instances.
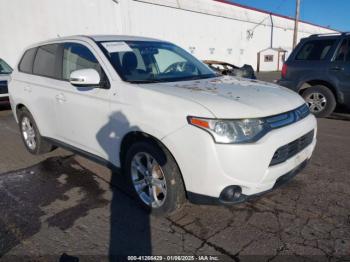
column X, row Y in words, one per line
column 26, row 64
column 315, row 50
column 45, row 61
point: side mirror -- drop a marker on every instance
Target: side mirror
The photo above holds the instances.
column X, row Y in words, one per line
column 85, row 77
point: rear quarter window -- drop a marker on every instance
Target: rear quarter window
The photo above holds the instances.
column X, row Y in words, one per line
column 315, row 50
column 26, row 64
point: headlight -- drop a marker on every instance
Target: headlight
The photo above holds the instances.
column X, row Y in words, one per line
column 232, row 131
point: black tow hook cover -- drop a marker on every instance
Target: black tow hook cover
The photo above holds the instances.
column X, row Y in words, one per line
column 231, row 194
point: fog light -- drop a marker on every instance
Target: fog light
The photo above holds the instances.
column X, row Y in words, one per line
column 231, row 194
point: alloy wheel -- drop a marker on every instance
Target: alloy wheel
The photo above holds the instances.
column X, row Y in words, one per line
column 28, row 133
column 148, row 180
column 316, row 101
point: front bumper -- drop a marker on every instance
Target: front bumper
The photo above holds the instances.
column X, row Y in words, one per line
column 208, row 168
column 207, row 200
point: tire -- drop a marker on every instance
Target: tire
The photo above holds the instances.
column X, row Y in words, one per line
column 321, row 100
column 164, row 172
column 38, row 144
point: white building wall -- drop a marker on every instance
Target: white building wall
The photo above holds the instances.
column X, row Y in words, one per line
column 206, row 24
column 203, row 24
column 24, row 22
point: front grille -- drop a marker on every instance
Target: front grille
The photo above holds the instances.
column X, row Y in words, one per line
column 3, row 87
column 287, row 151
column 288, row 118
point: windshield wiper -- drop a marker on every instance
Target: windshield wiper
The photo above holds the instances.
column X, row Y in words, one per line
column 198, row 77
column 177, row 79
column 145, row 81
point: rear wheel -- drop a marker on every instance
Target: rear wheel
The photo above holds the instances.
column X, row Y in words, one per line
column 320, row 100
column 30, row 134
column 154, row 178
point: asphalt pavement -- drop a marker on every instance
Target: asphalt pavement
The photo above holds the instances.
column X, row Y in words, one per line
column 64, row 206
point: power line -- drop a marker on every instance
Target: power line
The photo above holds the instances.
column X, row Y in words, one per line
column 250, row 32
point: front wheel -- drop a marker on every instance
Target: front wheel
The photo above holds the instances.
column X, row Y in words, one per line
column 154, row 177
column 320, row 100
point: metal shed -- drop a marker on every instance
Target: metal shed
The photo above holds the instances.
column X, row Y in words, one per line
column 271, row 59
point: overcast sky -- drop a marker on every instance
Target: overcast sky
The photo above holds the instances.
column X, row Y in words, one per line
column 333, row 13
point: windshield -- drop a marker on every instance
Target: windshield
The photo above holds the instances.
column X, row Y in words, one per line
column 5, row 69
column 148, row 61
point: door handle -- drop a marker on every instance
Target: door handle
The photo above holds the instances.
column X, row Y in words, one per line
column 337, row 68
column 60, row 98
column 27, row 89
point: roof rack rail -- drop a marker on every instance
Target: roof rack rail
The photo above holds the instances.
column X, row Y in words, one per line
column 330, row 34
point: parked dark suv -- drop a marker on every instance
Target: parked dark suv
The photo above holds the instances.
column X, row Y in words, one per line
column 319, row 70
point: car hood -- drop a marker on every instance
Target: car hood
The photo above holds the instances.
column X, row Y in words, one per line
column 232, row 97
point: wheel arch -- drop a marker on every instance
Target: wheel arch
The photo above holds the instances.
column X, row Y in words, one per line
column 21, row 106
column 18, row 108
column 136, row 136
column 314, row 82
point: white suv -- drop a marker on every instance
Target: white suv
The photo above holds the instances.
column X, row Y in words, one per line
column 177, row 129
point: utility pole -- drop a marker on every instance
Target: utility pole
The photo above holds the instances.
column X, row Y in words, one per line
column 296, row 23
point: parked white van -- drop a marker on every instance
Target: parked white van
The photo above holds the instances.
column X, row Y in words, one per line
column 175, row 128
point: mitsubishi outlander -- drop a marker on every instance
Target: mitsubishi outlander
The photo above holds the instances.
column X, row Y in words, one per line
column 176, row 132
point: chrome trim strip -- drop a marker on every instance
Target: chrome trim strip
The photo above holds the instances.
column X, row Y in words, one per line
column 288, row 118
